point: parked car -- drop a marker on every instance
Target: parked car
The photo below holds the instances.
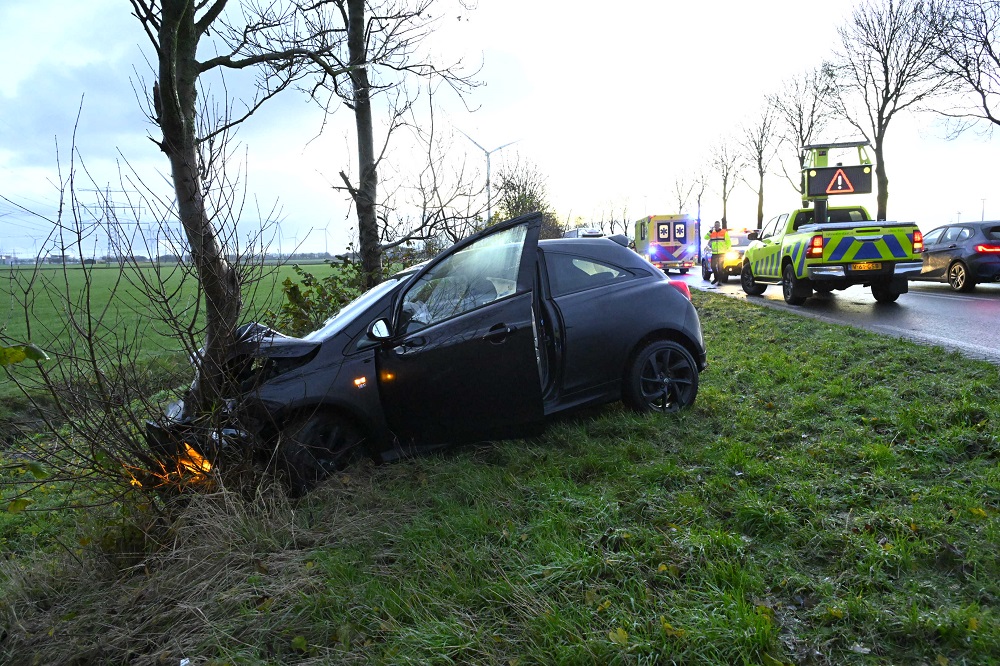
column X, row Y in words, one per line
column 962, row 254
column 486, row 339
column 733, row 263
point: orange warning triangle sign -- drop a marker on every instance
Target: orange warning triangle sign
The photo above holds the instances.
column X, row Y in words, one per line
column 840, row 184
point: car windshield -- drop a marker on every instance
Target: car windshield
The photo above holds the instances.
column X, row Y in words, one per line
column 739, row 240
column 349, row 312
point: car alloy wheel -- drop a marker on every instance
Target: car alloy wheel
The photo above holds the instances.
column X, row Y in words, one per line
column 314, row 446
column 958, row 277
column 662, row 378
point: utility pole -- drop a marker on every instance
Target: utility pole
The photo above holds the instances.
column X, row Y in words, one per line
column 489, row 201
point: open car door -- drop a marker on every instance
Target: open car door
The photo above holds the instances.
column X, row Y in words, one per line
column 461, row 362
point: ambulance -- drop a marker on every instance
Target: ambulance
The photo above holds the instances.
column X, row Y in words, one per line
column 669, row 242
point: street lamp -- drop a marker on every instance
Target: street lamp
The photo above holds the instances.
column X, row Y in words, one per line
column 488, row 153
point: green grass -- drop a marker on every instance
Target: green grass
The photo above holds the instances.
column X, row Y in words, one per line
column 115, row 294
column 831, row 498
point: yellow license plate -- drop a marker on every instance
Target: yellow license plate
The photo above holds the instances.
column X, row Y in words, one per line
column 866, row 266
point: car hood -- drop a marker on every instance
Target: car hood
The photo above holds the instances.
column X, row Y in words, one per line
column 256, row 339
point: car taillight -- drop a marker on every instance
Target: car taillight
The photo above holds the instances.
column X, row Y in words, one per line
column 918, row 241
column 681, row 287
column 815, row 250
column 988, row 248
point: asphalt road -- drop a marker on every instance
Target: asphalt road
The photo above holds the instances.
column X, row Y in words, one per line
column 930, row 313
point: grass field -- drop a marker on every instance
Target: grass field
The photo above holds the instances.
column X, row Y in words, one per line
column 832, row 498
column 113, row 294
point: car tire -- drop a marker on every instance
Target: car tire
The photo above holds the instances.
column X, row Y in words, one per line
column 884, row 293
column 958, row 277
column 663, row 377
column 313, row 447
column 749, row 284
column 706, row 271
column 723, row 277
column 791, row 287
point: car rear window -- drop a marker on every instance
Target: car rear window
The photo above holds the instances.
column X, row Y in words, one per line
column 993, row 233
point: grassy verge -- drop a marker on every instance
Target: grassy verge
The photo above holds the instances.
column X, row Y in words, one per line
column 832, row 498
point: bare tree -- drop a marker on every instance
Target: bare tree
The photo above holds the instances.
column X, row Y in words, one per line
column 885, row 65
column 361, row 50
column 804, row 109
column 522, row 189
column 176, row 29
column 967, row 50
column 727, row 163
column 682, row 190
column 759, row 145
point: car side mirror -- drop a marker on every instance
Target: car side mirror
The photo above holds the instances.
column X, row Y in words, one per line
column 753, row 235
column 379, row 330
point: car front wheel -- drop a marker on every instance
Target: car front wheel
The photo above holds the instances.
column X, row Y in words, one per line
column 958, row 277
column 662, row 378
column 315, row 446
column 749, row 284
column 706, row 271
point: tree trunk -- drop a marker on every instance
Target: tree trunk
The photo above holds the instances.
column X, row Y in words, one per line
column 176, row 106
column 882, row 179
column 760, row 202
column 364, row 197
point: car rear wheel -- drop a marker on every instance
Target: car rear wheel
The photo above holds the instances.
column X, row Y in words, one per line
column 313, row 447
column 791, row 288
column 958, row 277
column 662, row 378
column 706, row 271
column 749, row 284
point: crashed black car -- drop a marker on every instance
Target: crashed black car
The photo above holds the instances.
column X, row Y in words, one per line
column 488, row 338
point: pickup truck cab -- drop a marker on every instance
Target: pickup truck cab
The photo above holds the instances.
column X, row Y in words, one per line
column 804, row 256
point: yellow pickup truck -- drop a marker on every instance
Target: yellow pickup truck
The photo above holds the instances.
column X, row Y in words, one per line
column 804, row 256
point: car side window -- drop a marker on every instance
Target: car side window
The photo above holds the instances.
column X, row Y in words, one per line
column 951, row 234
column 933, row 236
column 771, row 228
column 484, row 272
column 570, row 273
column 965, row 234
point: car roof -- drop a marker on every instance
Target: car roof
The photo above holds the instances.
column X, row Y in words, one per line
column 595, row 248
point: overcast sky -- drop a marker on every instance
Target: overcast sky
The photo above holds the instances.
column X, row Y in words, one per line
column 610, row 101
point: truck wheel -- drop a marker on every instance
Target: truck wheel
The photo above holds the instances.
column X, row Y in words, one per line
column 791, row 287
column 750, row 286
column 884, row 293
column 682, row 271
column 958, row 277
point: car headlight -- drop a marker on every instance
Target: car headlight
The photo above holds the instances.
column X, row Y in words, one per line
column 732, row 255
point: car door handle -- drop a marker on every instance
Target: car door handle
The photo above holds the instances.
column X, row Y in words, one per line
column 499, row 333
column 411, row 344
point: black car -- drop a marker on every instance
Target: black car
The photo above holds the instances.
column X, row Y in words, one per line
column 962, row 254
column 487, row 338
